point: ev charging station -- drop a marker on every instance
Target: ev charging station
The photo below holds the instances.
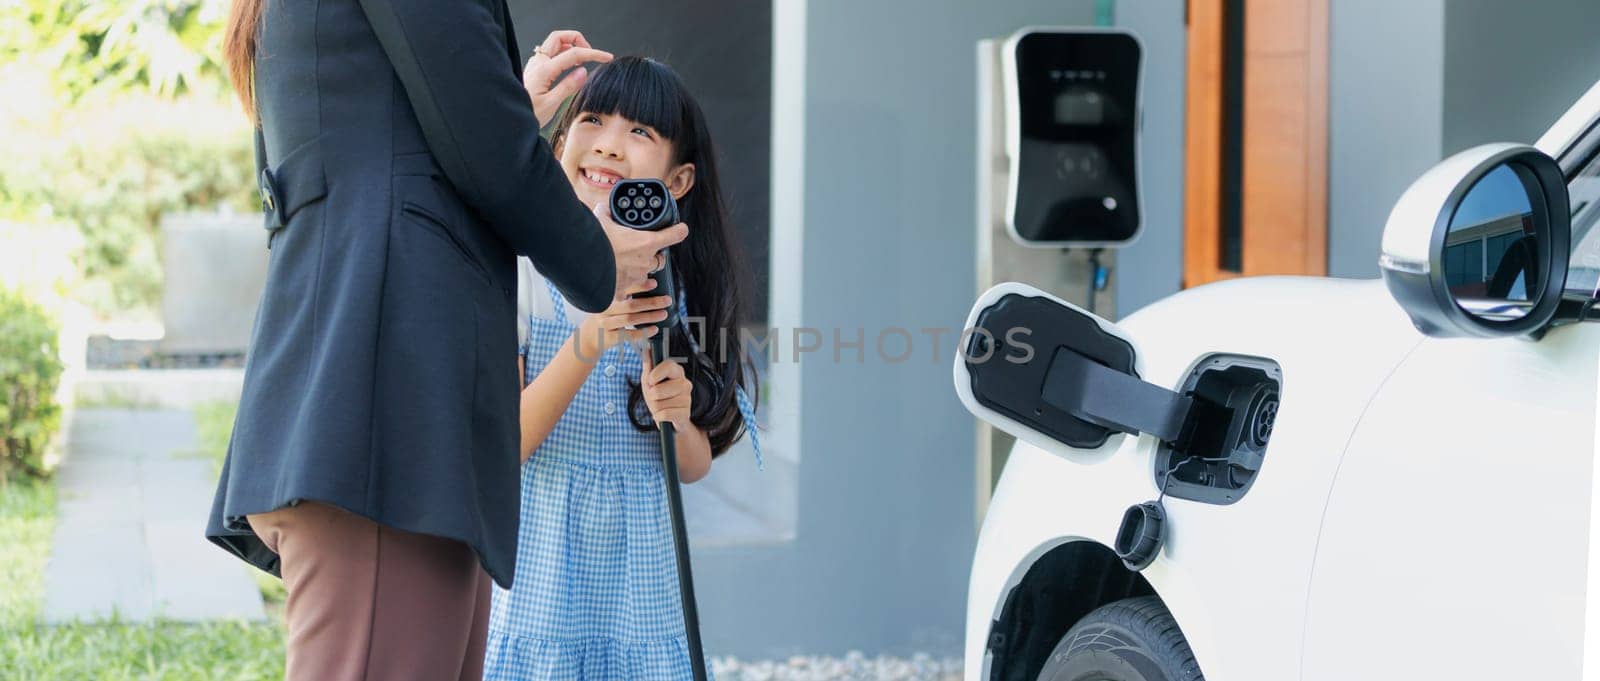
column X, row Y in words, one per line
column 1059, row 119
column 1072, row 137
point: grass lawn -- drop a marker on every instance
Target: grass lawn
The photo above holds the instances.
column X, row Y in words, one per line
column 167, row 651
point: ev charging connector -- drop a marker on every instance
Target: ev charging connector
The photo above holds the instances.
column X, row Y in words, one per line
column 645, row 204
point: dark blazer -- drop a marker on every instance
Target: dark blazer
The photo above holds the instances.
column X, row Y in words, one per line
column 401, row 173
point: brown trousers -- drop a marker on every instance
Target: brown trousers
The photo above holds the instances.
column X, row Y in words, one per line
column 371, row 603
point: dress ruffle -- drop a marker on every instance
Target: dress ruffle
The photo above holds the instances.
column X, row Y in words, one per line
column 517, row 658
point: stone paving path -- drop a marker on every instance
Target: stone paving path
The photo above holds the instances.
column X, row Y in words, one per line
column 132, row 501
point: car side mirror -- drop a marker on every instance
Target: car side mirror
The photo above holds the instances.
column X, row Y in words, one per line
column 1477, row 246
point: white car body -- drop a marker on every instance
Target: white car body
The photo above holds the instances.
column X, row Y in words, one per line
column 1424, row 510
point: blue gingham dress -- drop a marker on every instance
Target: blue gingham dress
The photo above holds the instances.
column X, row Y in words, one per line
column 595, row 595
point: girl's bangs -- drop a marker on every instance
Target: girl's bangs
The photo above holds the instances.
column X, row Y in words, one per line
column 637, row 89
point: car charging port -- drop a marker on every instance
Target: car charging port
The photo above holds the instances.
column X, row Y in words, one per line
column 1228, row 429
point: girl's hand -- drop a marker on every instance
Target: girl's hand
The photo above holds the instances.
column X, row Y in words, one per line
column 667, row 392
column 600, row 332
column 560, row 51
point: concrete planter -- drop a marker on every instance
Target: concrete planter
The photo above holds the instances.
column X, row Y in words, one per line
column 216, row 267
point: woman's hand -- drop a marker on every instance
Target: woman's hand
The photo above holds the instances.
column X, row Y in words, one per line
column 560, row 51
column 667, row 392
column 637, row 252
column 601, row 331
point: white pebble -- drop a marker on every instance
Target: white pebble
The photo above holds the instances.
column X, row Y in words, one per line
column 854, row 666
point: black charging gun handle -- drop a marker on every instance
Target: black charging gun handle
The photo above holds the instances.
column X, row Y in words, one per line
column 665, row 286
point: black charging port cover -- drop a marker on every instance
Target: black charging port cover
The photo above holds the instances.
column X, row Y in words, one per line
column 1009, row 361
column 1143, row 531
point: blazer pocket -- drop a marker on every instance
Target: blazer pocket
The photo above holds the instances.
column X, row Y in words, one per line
column 432, row 223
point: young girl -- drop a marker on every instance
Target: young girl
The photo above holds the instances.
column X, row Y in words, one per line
column 595, row 594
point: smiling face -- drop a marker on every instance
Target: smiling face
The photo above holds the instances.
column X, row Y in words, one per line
column 600, row 149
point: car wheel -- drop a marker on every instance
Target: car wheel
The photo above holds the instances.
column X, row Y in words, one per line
column 1130, row 640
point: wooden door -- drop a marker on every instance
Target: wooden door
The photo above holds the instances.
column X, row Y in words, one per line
column 1257, row 139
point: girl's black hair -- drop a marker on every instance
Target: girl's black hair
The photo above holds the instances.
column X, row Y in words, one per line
column 709, row 269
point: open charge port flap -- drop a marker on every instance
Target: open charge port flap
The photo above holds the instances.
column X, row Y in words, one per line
column 1012, row 382
column 1076, row 384
column 1236, row 402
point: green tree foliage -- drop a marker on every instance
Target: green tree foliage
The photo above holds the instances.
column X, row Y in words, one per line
column 168, row 46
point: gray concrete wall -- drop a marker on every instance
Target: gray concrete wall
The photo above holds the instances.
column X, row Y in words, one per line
column 1413, row 82
column 1511, row 69
column 1385, row 127
column 886, row 524
column 1386, row 70
column 1385, row 81
column 1152, row 268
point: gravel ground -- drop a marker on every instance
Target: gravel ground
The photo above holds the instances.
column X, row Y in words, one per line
column 852, row 667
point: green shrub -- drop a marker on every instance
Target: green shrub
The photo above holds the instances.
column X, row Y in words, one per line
column 30, row 369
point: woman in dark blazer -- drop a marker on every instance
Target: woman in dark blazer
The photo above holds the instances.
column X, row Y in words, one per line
column 374, row 461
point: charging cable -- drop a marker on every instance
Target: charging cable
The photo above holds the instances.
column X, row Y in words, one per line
column 1099, row 275
column 1166, row 479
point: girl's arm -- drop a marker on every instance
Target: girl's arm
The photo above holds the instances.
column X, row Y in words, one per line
column 548, row 396
column 668, row 392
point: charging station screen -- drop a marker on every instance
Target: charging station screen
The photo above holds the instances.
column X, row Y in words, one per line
column 1078, row 117
column 1081, row 106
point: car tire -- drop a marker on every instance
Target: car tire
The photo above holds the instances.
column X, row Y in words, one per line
column 1135, row 639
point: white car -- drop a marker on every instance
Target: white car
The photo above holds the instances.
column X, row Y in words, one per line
column 1385, row 479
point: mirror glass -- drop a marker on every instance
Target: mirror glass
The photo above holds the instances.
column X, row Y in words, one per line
column 1492, row 255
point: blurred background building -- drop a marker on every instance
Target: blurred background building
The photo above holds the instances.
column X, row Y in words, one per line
column 858, row 176
column 1277, row 134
